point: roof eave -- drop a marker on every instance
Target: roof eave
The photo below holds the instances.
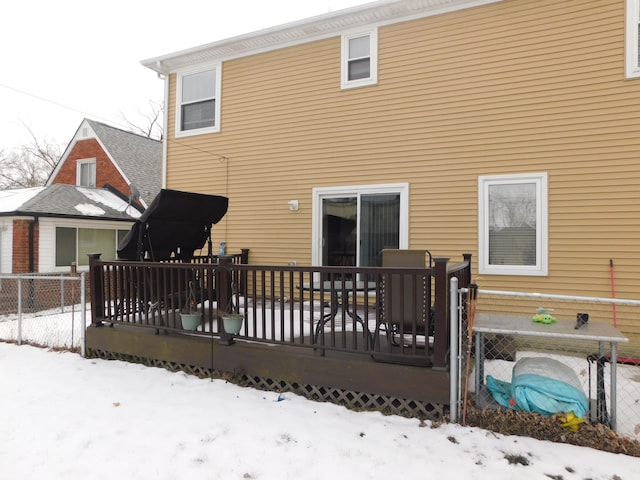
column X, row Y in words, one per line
column 310, row 29
column 20, row 213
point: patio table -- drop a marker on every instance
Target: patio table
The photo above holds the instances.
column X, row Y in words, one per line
column 339, row 291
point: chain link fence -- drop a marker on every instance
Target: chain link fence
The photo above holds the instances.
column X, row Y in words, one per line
column 44, row 310
column 528, row 347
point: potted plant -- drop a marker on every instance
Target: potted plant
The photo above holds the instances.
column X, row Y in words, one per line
column 190, row 316
column 232, row 322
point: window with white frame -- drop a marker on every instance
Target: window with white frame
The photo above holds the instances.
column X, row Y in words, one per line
column 198, row 101
column 360, row 59
column 86, row 172
column 633, row 39
column 513, row 224
column 75, row 244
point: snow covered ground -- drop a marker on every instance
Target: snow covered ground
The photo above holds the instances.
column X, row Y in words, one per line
column 62, row 416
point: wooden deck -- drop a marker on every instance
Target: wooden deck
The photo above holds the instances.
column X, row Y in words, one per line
column 273, row 364
column 281, row 346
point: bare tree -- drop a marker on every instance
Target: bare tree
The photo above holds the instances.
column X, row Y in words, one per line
column 512, row 206
column 153, row 126
column 30, row 164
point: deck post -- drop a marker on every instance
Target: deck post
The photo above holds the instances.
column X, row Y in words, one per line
column 467, row 280
column 224, row 293
column 96, row 293
column 441, row 323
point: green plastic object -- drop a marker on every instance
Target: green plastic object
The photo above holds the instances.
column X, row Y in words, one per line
column 543, row 316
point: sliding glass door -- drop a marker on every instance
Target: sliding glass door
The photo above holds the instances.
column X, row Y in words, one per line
column 352, row 225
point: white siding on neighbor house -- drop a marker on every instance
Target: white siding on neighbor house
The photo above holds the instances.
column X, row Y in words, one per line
column 47, row 253
column 6, row 244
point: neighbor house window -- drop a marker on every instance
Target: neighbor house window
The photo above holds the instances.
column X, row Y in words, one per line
column 86, row 173
column 513, row 224
column 360, row 59
column 198, row 101
column 633, row 39
column 74, row 244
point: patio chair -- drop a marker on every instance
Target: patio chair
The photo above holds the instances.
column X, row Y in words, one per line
column 405, row 306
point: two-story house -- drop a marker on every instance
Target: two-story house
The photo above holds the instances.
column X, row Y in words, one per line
column 504, row 128
column 103, row 181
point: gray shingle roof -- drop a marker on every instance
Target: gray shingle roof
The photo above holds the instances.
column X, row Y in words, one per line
column 139, row 157
column 60, row 200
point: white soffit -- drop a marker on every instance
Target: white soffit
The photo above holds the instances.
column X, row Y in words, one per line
column 379, row 13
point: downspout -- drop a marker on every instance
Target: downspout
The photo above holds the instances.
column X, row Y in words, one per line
column 32, row 291
column 32, row 242
column 165, row 121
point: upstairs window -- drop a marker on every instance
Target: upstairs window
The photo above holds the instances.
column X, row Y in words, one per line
column 198, row 109
column 513, row 224
column 360, row 59
column 86, row 173
column 633, row 39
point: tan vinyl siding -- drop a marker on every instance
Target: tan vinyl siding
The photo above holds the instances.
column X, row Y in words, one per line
column 513, row 87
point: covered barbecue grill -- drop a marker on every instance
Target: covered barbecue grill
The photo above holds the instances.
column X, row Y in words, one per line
column 175, row 224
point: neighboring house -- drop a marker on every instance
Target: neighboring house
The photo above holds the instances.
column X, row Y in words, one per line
column 103, row 181
column 47, row 229
column 456, row 126
column 100, row 155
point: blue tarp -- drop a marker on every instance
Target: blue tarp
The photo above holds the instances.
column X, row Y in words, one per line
column 541, row 385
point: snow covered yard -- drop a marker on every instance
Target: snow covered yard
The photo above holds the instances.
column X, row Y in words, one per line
column 63, row 416
column 55, row 328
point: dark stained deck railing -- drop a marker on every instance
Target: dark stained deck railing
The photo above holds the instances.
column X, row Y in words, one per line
column 320, row 308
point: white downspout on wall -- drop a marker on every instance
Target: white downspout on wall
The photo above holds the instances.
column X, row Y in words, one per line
column 165, row 125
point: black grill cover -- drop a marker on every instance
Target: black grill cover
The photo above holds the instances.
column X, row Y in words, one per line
column 175, row 223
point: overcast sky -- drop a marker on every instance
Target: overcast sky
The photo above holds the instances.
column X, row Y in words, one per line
column 64, row 60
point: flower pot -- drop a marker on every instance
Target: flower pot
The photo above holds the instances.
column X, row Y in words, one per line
column 190, row 321
column 232, row 323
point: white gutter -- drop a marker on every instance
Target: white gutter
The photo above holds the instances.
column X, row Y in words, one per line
column 376, row 14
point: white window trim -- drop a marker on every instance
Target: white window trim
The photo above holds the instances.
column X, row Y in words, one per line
column 631, row 38
column 542, row 242
column 86, row 161
column 373, row 53
column 76, row 225
column 218, row 100
column 324, row 192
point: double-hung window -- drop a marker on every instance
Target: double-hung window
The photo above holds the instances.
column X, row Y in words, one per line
column 360, row 59
column 633, row 39
column 86, row 172
column 198, row 101
column 513, row 224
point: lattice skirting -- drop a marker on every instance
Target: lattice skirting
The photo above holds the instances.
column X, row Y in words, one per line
column 350, row 399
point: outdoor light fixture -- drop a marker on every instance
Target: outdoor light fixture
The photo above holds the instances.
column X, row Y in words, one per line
column 293, row 205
